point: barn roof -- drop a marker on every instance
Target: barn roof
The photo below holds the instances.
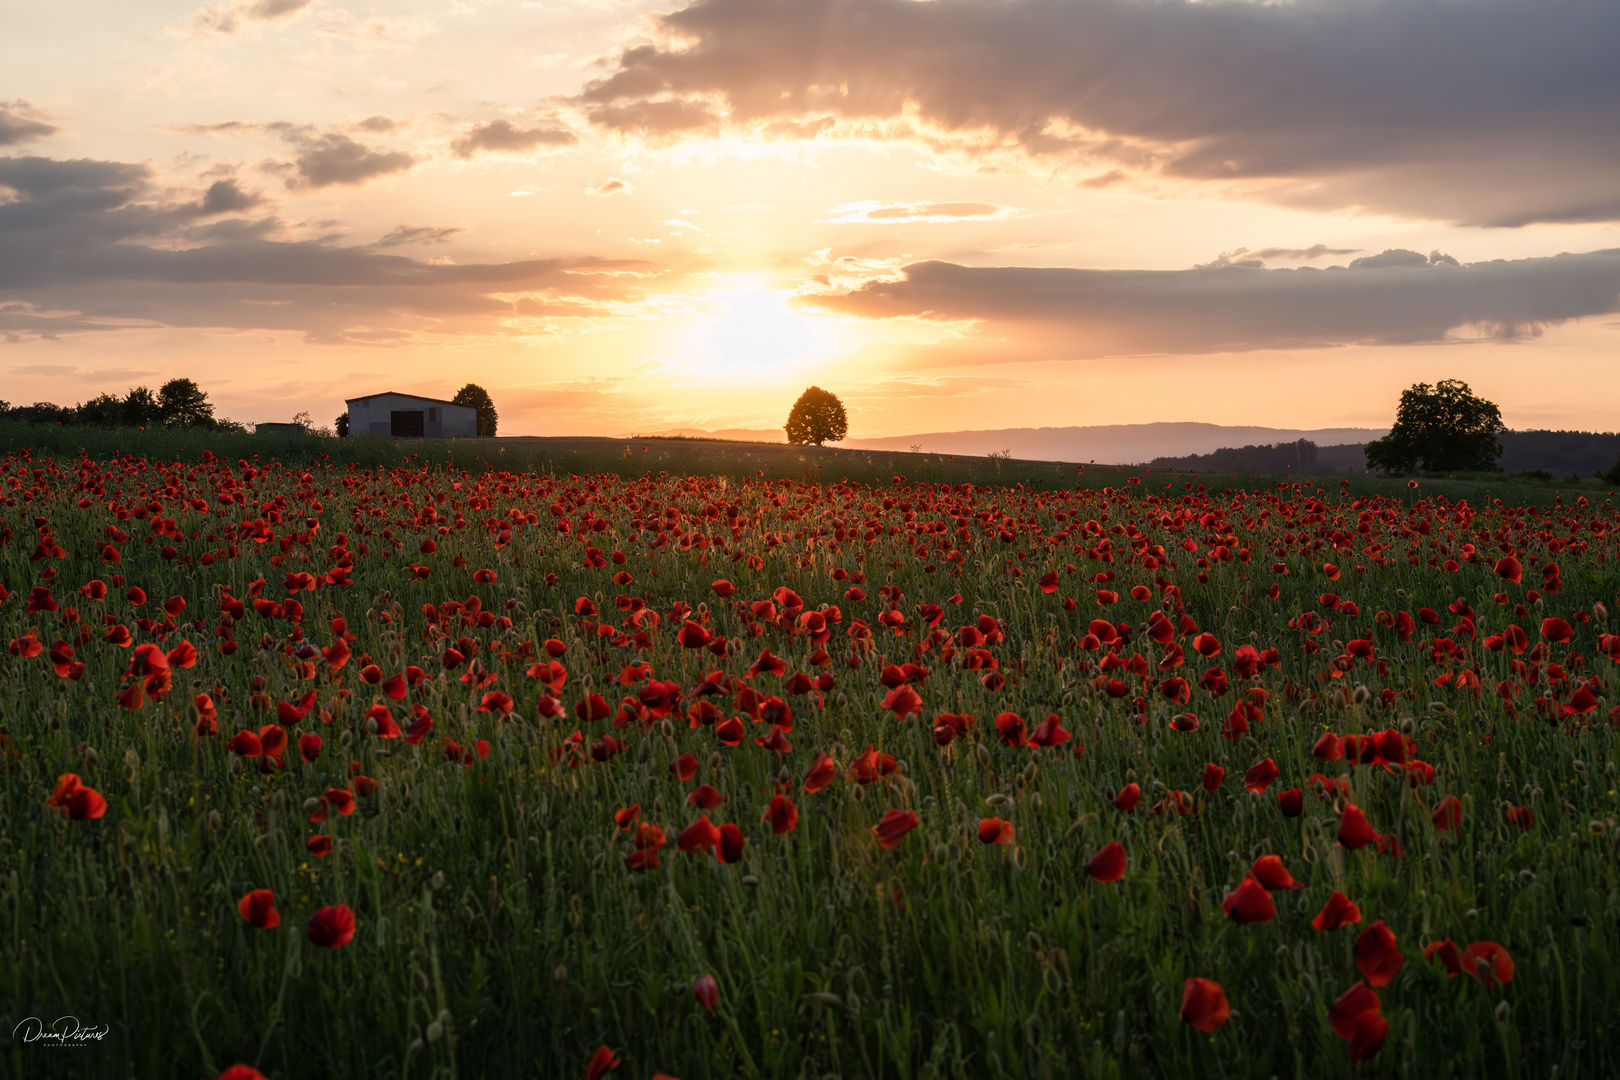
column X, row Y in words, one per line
column 401, row 393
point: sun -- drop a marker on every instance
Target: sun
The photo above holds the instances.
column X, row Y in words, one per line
column 750, row 331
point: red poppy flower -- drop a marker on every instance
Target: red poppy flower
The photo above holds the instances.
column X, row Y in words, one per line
column 420, row 725
column 1270, row 872
column 729, row 847
column 1108, row 865
column 782, row 814
column 1213, row 775
column 241, row 1072
column 1010, row 728
column 1185, row 722
column 1128, row 797
column 1204, row 1004
column 821, row 773
column 730, row 732
column 893, row 827
column 705, row 797
column 1445, row 953
column 1367, row 1034
column 1350, row 1007
column 245, row 744
column 602, row 1062
column 904, row 700
column 309, row 747
column 1354, row 831
column 1291, row 802
column 701, row 835
column 706, row 991
column 332, row 927
column 380, row 722
column 75, row 800
column 1258, row 777
column 1377, row 956
column 1522, row 816
column 1488, row 961
column 1329, row 747
column 1510, row 568
column 1338, row 911
column 319, row 845
column 1448, row 814
column 1249, row 903
column 993, row 830
column 684, row 767
column 775, row 740
column 1556, row 630
column 1050, row 732
column 259, row 908
column 626, row 817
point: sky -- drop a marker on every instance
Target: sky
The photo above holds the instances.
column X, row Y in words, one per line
column 619, row 216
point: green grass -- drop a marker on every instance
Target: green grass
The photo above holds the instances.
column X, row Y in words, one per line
column 494, row 900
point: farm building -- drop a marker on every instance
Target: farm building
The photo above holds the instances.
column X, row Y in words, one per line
column 406, row 416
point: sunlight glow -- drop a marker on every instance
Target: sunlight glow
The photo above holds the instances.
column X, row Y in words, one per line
column 752, row 333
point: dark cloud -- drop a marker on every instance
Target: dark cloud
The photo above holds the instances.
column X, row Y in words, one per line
column 20, row 123
column 657, row 120
column 378, row 125
column 229, row 18
column 96, row 246
column 420, row 234
column 1315, row 251
column 1493, row 111
column 501, row 137
column 1245, row 257
column 328, row 158
column 1396, row 297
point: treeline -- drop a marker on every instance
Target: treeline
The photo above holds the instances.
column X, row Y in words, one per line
column 1301, row 458
column 178, row 403
column 1562, row 453
column 1549, row 454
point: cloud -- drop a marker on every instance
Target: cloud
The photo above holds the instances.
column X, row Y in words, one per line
column 420, row 234
column 1245, row 257
column 501, row 137
column 229, row 18
column 612, row 186
column 1500, row 112
column 100, row 246
column 20, row 123
column 1397, row 297
column 878, row 213
column 331, row 158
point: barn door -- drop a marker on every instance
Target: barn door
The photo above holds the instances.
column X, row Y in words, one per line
column 406, row 423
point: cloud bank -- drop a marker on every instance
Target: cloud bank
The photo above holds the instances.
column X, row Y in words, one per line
column 98, row 246
column 1497, row 112
column 1396, row 297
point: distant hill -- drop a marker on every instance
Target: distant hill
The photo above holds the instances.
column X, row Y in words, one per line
column 771, row 435
column 1111, row 444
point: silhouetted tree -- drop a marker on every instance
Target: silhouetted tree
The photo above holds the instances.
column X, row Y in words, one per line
column 1440, row 428
column 342, row 423
column 182, row 403
column 474, row 396
column 817, row 417
column 103, row 410
column 141, row 407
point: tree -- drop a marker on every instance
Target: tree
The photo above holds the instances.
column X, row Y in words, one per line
column 474, row 396
column 141, row 407
column 342, row 425
column 817, row 417
column 1440, row 428
column 182, row 403
column 103, row 410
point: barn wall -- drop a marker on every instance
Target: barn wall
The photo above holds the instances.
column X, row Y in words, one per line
column 373, row 416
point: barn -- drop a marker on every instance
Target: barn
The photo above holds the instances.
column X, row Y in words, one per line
column 407, row 416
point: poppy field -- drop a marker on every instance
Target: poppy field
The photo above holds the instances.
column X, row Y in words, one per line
column 317, row 769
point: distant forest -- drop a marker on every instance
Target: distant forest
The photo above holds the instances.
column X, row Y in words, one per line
column 1558, row 453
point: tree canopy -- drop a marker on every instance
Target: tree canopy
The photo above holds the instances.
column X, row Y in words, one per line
column 1440, row 428
column 817, row 417
column 474, row 396
column 182, row 403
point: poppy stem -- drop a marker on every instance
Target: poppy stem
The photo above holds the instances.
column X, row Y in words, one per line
column 281, row 993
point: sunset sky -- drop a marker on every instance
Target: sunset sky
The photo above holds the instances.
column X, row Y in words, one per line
column 622, row 216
